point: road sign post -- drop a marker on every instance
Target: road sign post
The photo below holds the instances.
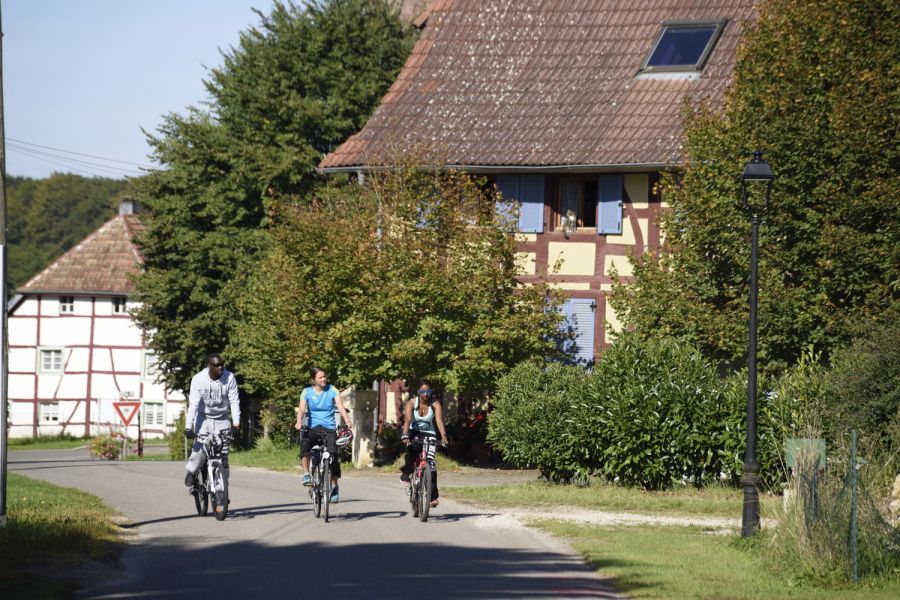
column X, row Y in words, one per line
column 126, row 410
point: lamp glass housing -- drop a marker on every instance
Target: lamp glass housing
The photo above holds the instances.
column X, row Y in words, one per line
column 756, row 184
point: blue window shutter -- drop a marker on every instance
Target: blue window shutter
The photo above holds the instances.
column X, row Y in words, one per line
column 609, row 208
column 582, row 317
column 508, row 185
column 531, row 213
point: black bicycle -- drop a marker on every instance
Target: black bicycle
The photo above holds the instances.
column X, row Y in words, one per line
column 421, row 481
column 209, row 484
column 320, row 490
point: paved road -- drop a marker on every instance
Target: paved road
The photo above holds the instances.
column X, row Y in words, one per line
column 271, row 546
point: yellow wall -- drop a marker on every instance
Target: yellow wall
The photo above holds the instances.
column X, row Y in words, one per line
column 622, row 264
column 578, row 258
column 525, row 261
column 636, row 186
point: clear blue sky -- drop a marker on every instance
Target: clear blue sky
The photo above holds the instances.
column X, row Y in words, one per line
column 86, row 75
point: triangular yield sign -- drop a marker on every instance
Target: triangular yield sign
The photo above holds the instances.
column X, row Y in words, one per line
column 126, row 410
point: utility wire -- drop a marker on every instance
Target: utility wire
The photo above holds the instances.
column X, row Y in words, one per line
column 103, row 158
column 66, row 161
column 67, row 166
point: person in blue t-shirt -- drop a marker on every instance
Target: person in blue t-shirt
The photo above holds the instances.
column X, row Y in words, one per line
column 320, row 400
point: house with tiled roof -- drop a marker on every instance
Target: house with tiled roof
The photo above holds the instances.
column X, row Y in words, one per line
column 74, row 349
column 572, row 108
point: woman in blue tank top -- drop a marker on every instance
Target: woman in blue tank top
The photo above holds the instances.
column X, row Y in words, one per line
column 421, row 417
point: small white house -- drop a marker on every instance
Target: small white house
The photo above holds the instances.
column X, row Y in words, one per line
column 74, row 349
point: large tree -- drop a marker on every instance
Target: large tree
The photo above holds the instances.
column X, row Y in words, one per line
column 411, row 275
column 817, row 88
column 298, row 83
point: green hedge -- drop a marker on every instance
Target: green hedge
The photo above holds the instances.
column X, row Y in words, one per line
column 652, row 413
column 532, row 422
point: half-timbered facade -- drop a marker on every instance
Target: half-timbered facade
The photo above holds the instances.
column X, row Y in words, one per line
column 74, row 349
column 572, row 108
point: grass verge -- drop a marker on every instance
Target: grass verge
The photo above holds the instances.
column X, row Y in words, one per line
column 685, row 562
column 713, row 502
column 47, row 443
column 266, row 457
column 51, row 529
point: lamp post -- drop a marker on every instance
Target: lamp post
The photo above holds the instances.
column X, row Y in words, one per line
column 756, row 188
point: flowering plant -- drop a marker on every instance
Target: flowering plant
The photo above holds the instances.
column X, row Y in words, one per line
column 107, row 446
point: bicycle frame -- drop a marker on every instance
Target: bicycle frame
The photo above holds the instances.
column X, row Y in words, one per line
column 421, row 480
column 210, row 484
column 320, row 490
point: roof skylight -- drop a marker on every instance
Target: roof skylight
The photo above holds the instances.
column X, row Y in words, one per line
column 683, row 45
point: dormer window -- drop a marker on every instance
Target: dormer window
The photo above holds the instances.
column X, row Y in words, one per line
column 683, row 45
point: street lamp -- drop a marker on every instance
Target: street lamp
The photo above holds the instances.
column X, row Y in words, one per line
column 756, row 188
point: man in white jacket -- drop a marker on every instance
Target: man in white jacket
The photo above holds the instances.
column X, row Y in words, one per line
column 213, row 391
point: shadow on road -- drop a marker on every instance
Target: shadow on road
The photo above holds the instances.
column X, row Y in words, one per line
column 374, row 570
column 239, row 513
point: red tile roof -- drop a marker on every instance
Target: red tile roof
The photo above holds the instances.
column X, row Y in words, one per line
column 543, row 83
column 102, row 263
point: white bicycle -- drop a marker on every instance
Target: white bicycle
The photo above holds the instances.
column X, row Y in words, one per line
column 209, row 484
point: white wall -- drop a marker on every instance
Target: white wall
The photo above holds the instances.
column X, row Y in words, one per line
column 116, row 348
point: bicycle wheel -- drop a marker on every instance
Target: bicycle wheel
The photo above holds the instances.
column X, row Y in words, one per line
column 326, row 486
column 424, row 493
column 316, row 490
column 198, row 491
column 220, row 495
column 414, row 491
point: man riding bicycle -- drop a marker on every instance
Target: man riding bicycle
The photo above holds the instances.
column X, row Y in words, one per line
column 320, row 400
column 421, row 417
column 213, row 391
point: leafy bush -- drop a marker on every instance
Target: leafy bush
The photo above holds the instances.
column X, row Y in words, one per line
column 651, row 414
column 532, row 422
column 107, row 446
column 175, row 440
column 787, row 407
column 864, row 384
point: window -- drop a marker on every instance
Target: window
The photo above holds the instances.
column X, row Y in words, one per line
column 591, row 202
column 50, row 360
column 118, row 305
column 151, row 367
column 578, row 202
column 528, row 192
column 49, row 413
column 154, row 415
column 66, row 305
column 683, row 45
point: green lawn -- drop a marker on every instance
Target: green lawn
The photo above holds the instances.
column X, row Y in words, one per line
column 688, row 501
column 683, row 562
column 50, row 528
column 47, row 443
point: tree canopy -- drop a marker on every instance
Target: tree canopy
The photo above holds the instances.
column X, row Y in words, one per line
column 298, row 83
column 411, row 275
column 817, row 88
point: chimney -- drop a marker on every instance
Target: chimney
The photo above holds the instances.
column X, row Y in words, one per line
column 127, row 206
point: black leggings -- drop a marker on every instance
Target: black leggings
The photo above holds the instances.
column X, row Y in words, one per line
column 412, row 452
column 329, row 438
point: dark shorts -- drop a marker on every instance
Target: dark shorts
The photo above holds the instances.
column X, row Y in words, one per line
column 319, row 434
